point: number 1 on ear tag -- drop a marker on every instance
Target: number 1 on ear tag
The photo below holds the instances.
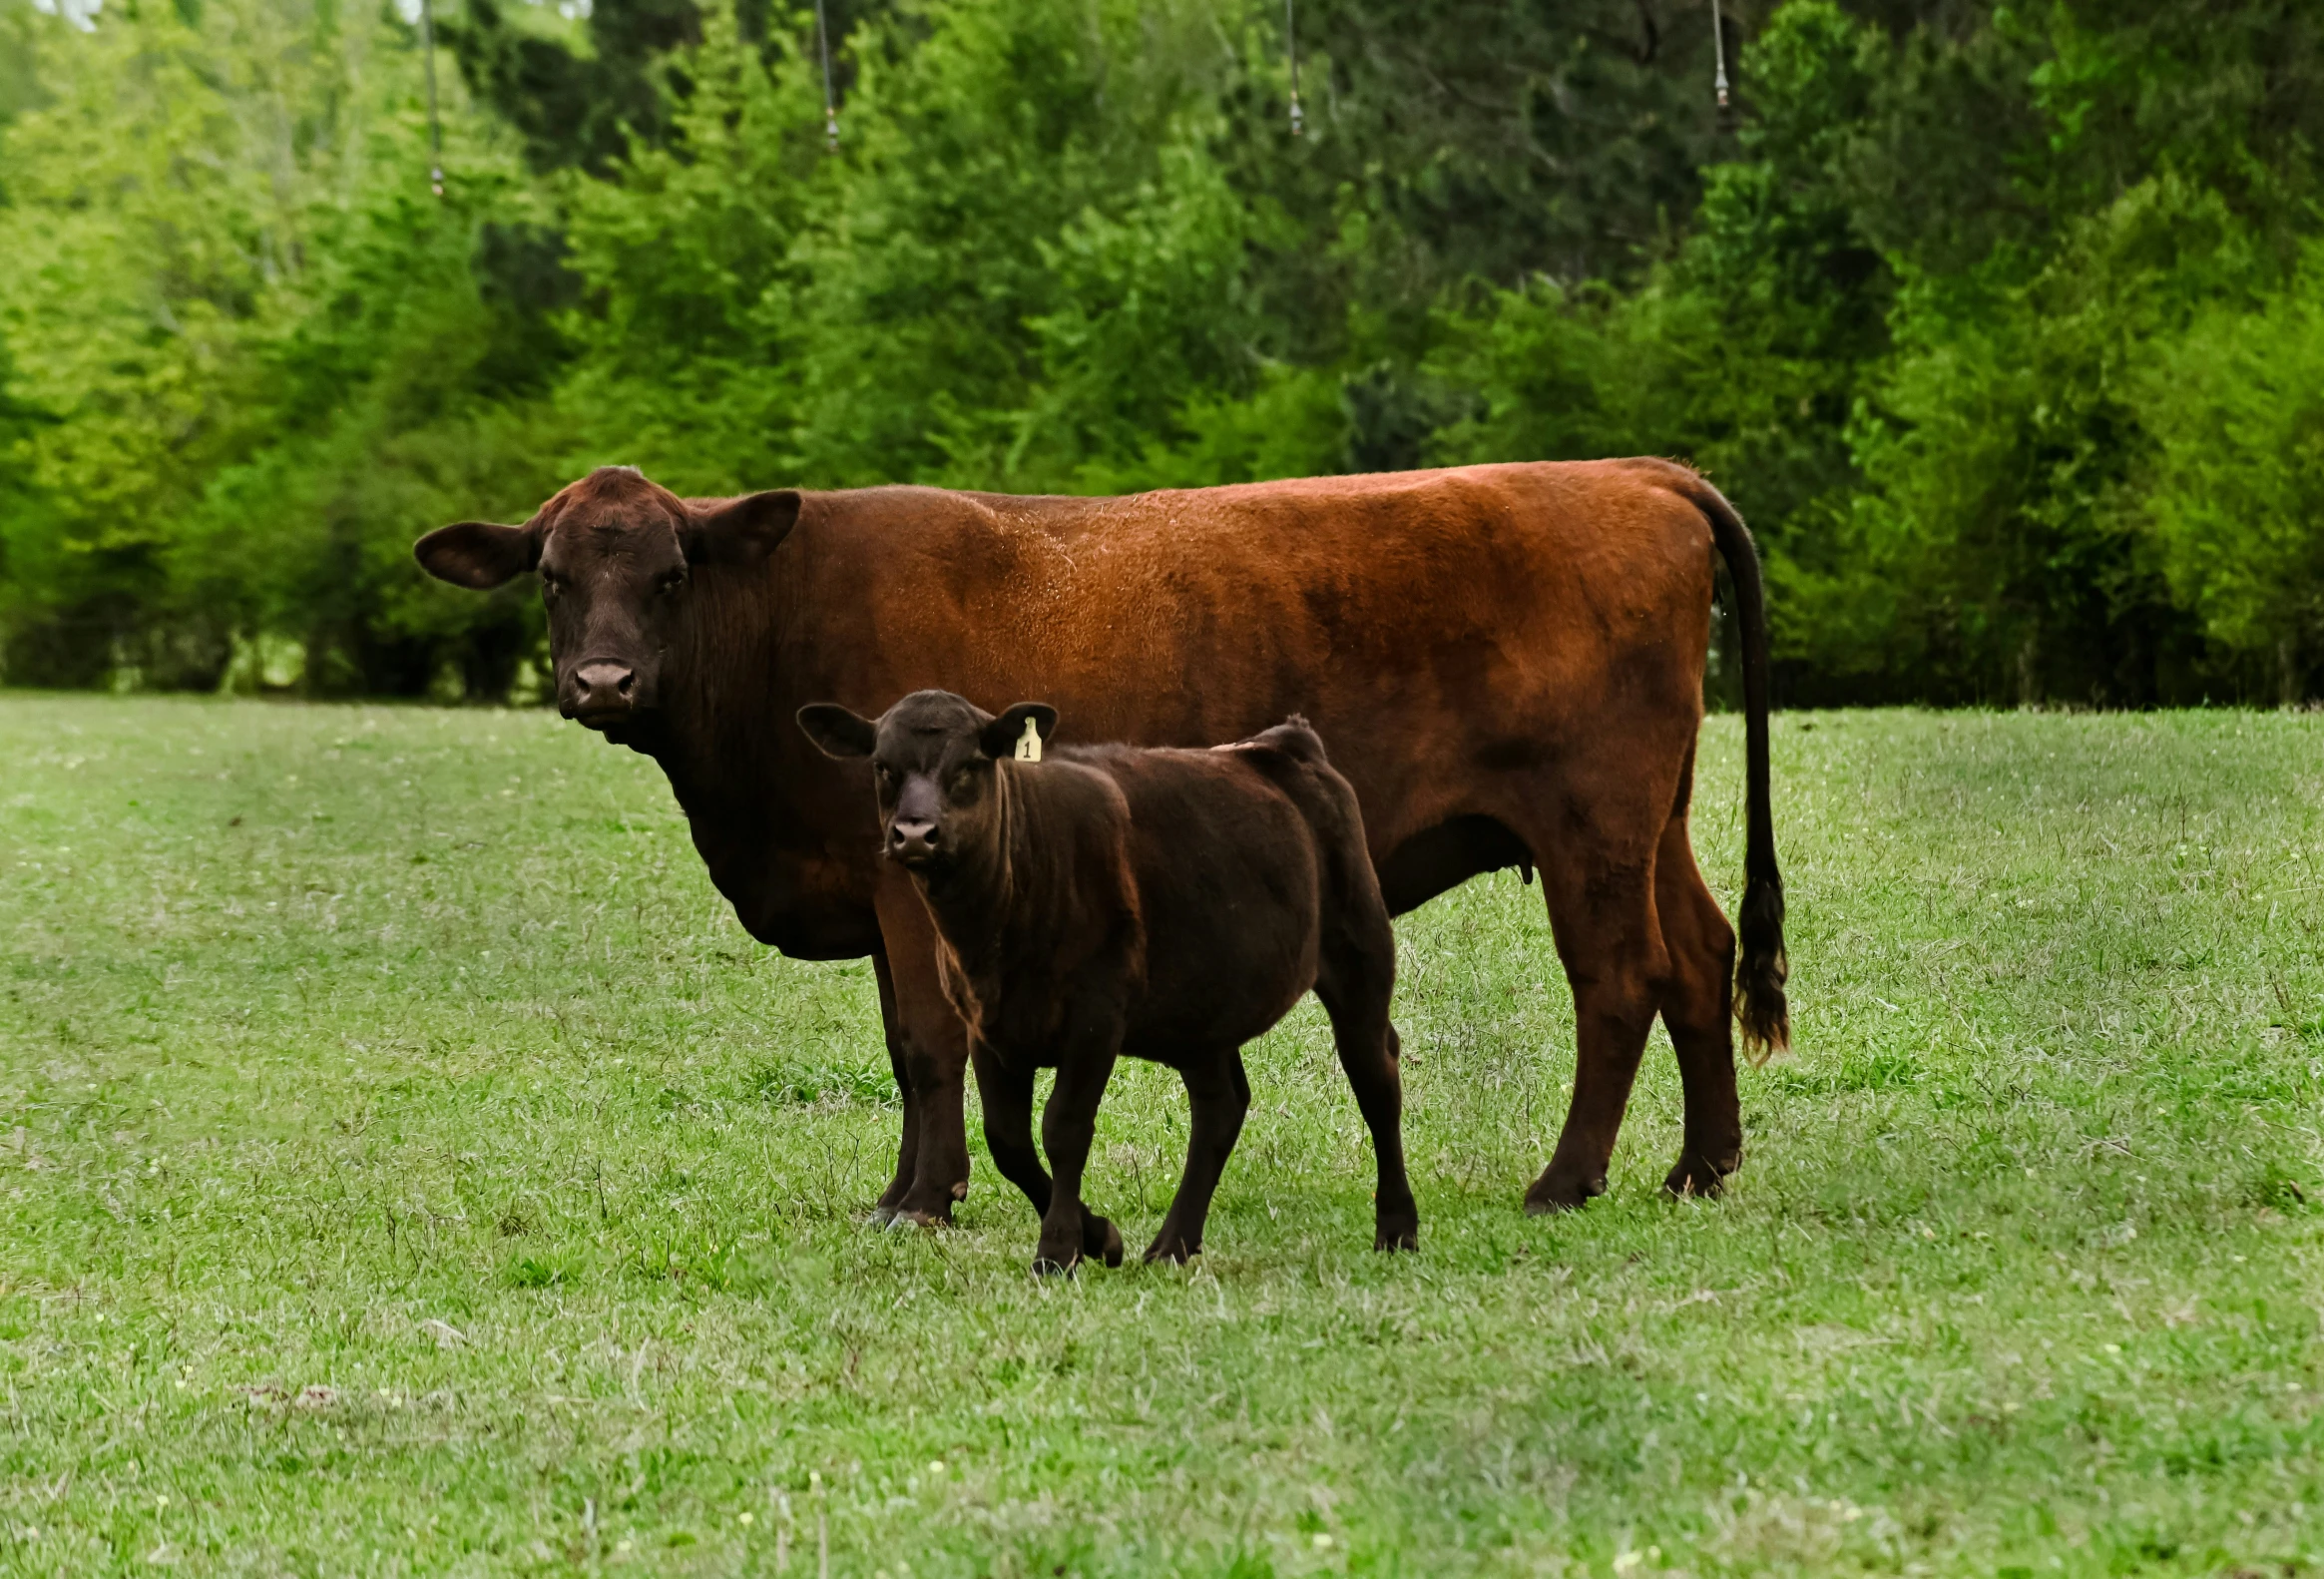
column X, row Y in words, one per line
column 1028, row 745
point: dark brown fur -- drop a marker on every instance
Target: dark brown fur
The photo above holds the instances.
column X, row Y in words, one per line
column 1506, row 660
column 1167, row 904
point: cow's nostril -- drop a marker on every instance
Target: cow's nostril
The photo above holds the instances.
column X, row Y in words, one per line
column 604, row 682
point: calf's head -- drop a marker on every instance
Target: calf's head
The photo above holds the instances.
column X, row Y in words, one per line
column 932, row 757
column 616, row 556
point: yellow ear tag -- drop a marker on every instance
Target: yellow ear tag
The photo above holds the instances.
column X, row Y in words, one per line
column 1029, row 746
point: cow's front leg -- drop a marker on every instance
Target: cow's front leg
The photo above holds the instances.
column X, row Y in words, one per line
column 908, row 1153
column 932, row 1163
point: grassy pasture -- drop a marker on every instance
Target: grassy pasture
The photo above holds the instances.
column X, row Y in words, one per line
column 408, row 1166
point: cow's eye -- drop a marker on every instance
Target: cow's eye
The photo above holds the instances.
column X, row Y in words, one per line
column 885, row 775
column 552, row 588
column 668, row 582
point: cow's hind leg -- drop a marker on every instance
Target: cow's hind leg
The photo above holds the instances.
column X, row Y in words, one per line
column 1697, row 1008
column 1601, row 911
column 1356, row 978
column 1217, row 1097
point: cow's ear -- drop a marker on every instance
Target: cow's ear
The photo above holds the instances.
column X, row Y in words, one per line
column 837, row 732
column 478, row 554
column 1005, row 736
column 742, row 531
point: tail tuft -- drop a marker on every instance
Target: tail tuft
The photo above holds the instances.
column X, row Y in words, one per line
column 1760, row 970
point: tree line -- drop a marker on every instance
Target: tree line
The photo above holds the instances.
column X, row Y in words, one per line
column 2003, row 325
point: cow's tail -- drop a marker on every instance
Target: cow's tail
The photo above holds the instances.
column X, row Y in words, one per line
column 1760, row 967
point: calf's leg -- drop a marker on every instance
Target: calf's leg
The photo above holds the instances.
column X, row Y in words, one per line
column 1219, row 1097
column 1356, row 979
column 1007, row 1093
column 1068, row 1127
column 935, row 1057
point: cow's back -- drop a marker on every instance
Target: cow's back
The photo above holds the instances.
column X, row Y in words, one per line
column 1437, row 626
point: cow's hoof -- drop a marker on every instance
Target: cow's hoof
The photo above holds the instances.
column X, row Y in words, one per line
column 881, row 1216
column 913, row 1217
column 1699, row 1176
column 1047, row 1266
column 1400, row 1231
column 1561, row 1193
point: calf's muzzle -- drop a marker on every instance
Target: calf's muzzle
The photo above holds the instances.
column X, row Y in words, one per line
column 913, row 839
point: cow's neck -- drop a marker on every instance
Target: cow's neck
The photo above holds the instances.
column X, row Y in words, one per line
column 727, row 741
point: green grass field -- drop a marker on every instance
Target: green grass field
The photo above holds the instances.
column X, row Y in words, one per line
column 408, row 1166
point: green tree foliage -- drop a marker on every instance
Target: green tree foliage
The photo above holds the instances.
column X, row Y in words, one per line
column 248, row 347
column 2001, row 323
column 2236, row 405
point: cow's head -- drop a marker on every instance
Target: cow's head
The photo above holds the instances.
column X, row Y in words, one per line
column 616, row 556
column 932, row 757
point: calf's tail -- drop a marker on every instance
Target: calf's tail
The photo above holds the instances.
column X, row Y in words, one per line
column 1294, row 738
column 1760, row 966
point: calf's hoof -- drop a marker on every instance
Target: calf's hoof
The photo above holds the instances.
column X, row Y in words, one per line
column 920, row 1208
column 1555, row 1192
column 1056, row 1263
column 1397, row 1231
column 1698, row 1174
column 1100, row 1240
column 905, row 1217
column 1171, row 1245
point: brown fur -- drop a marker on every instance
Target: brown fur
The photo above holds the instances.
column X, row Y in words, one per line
column 1506, row 660
column 1167, row 904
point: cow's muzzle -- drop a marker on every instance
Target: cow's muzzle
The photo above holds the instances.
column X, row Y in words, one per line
column 601, row 693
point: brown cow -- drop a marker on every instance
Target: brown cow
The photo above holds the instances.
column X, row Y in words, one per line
column 1508, row 662
column 1167, row 905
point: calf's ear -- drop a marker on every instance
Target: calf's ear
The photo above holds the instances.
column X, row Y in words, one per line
column 837, row 732
column 478, row 554
column 742, row 531
column 1005, row 736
